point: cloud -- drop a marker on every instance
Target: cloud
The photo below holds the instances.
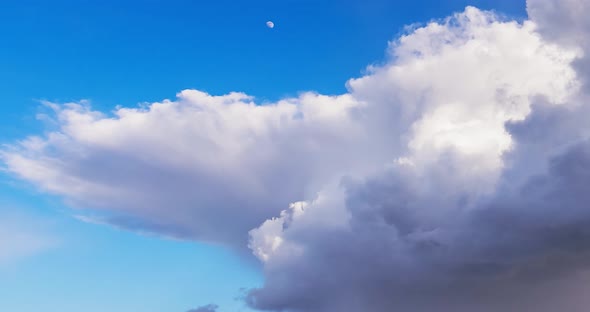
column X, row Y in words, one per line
column 565, row 22
column 202, row 167
column 21, row 237
column 561, row 20
column 451, row 178
column 207, row 308
column 486, row 209
column 211, row 168
column 410, row 249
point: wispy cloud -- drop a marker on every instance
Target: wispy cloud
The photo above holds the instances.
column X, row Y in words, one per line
column 22, row 236
column 207, row 308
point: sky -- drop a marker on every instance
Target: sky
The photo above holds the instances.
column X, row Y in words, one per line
column 358, row 156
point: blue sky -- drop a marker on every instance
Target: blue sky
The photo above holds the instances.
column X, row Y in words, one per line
column 127, row 52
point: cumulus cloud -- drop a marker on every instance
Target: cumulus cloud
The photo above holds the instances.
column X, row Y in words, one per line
column 201, row 167
column 565, row 22
column 207, row 308
column 486, row 209
column 561, row 20
column 451, row 178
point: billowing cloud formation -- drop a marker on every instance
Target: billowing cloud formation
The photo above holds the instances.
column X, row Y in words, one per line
column 452, row 178
column 202, row 167
column 207, row 308
column 565, row 22
column 491, row 214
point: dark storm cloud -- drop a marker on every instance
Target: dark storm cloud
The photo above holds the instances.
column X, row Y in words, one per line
column 519, row 250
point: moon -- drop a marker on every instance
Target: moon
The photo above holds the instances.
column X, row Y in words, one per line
column 270, row 24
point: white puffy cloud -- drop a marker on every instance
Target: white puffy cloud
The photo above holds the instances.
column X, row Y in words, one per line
column 212, row 167
column 200, row 167
column 483, row 207
column 450, row 178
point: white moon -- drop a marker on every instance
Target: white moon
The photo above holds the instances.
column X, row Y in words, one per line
column 270, row 24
